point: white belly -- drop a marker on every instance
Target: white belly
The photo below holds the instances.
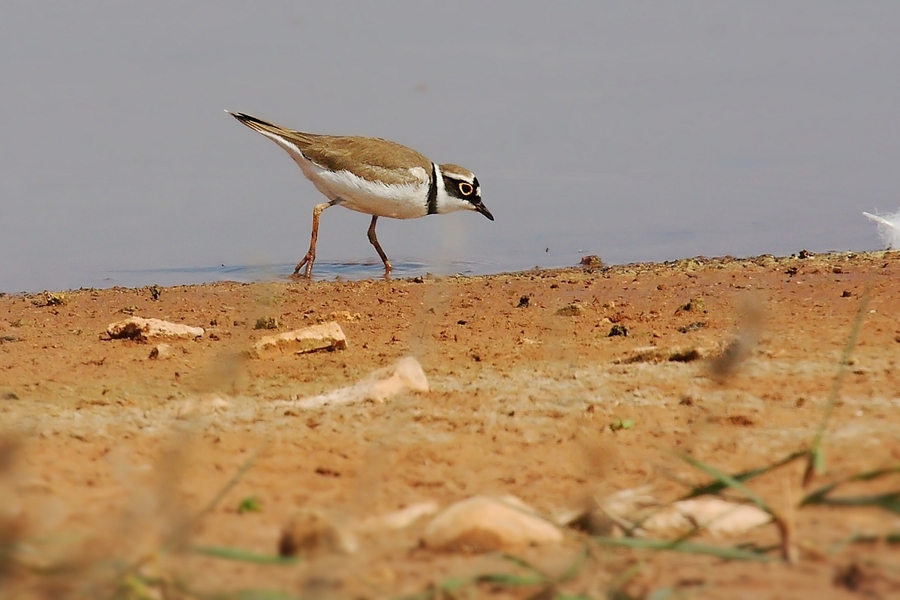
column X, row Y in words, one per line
column 400, row 201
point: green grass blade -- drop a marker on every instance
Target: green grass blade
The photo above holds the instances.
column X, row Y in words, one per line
column 816, row 463
column 454, row 583
column 243, row 555
column 511, row 579
column 718, row 485
column 576, row 565
column 889, row 502
column 728, row 553
column 228, row 486
column 820, row 494
column 521, row 562
column 727, row 480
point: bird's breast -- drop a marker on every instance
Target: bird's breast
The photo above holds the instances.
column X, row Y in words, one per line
column 395, row 200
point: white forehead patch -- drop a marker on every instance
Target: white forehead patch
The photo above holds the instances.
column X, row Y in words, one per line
column 460, row 177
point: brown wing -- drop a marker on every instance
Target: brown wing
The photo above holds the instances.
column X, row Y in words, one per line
column 369, row 158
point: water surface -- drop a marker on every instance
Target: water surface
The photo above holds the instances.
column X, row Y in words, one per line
column 635, row 131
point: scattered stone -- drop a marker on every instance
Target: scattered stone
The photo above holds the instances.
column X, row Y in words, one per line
column 718, row 517
column 617, row 330
column 51, row 299
column 524, row 301
column 8, row 338
column 161, row 351
column 741, row 420
column 324, row 336
column 129, row 310
column 846, row 294
column 635, row 510
column 311, row 533
column 571, row 310
column 591, row 260
column 484, row 524
column 10, row 396
column 693, row 326
column 345, row 315
column 693, row 305
column 141, row 329
column 406, row 374
column 266, row 323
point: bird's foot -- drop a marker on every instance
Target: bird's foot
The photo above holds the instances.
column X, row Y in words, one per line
column 308, row 263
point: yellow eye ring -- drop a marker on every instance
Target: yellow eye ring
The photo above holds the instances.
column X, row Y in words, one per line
column 466, row 188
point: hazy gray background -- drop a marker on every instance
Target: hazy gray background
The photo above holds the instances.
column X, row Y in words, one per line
column 632, row 130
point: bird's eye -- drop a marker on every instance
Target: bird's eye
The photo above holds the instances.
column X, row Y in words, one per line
column 466, row 188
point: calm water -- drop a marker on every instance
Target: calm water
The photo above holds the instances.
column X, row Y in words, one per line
column 632, row 130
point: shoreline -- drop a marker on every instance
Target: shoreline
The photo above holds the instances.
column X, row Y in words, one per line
column 699, row 259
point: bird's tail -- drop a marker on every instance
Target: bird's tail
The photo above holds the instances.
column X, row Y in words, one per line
column 292, row 141
column 259, row 125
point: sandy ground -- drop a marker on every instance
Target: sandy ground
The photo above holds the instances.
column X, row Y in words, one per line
column 108, row 452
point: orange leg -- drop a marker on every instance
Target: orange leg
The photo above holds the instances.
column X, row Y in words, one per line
column 374, row 241
column 311, row 253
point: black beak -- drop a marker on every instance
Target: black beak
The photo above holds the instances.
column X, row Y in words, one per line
column 483, row 210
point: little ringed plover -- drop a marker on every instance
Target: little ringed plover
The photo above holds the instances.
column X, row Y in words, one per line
column 372, row 176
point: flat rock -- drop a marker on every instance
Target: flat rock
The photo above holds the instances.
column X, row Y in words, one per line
column 324, row 336
column 141, row 329
column 483, row 524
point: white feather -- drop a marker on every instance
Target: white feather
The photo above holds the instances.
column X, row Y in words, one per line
column 398, row 201
column 888, row 228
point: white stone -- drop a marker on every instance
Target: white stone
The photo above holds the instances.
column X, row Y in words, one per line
column 405, row 374
column 324, row 336
column 143, row 329
column 718, row 517
column 483, row 523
